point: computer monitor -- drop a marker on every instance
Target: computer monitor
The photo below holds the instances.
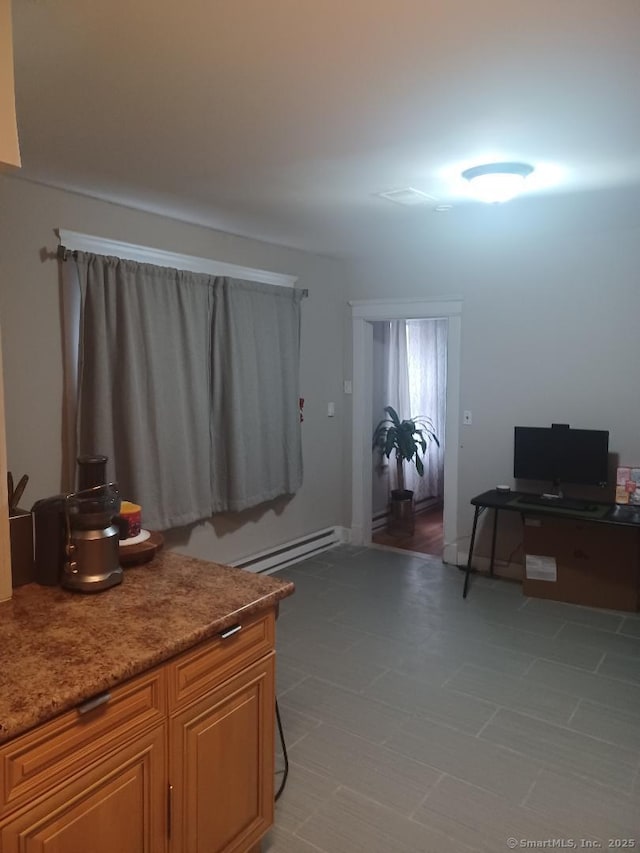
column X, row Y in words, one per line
column 561, row 455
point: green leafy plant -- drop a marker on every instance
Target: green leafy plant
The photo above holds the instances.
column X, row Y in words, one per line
column 408, row 438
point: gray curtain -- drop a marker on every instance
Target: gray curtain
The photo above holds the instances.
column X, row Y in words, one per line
column 411, row 376
column 189, row 385
column 427, row 367
column 257, row 450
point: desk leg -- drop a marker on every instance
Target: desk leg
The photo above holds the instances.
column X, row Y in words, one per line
column 493, row 540
column 470, row 557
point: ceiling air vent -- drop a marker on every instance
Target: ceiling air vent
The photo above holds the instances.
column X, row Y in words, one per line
column 408, row 196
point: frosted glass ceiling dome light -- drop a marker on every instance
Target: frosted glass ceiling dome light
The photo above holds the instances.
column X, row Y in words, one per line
column 497, row 182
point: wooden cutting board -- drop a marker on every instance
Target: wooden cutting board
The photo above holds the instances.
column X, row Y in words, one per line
column 135, row 555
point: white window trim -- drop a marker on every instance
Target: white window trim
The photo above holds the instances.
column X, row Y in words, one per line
column 75, row 241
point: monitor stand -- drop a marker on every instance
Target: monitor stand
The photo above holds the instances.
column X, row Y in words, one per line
column 555, row 495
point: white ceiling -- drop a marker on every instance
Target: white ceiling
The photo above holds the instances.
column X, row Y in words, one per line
column 281, row 119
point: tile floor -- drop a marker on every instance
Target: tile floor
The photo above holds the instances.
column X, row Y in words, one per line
column 419, row 722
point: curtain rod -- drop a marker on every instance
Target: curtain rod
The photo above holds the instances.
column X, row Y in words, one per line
column 63, row 254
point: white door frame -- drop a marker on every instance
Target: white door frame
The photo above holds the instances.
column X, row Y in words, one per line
column 364, row 313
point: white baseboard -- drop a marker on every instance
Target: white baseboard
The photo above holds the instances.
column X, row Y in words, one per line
column 451, row 555
column 345, row 535
column 288, row 553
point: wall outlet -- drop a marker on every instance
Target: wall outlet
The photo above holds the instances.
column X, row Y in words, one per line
column 466, row 419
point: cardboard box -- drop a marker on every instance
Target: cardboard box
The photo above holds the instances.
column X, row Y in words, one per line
column 21, row 536
column 596, row 565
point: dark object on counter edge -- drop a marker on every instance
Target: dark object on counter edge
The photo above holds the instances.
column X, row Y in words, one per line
column 21, row 540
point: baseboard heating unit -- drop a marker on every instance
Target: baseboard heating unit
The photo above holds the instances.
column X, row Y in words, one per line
column 281, row 556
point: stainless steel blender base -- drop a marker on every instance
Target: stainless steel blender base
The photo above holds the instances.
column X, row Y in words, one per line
column 79, row 582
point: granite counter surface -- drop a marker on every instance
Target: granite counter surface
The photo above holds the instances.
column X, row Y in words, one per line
column 59, row 648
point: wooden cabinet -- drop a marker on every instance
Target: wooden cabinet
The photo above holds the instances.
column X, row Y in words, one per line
column 52, row 753
column 221, row 728
column 117, row 804
column 178, row 760
column 222, row 765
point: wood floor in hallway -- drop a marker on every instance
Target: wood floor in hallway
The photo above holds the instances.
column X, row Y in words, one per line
column 426, row 539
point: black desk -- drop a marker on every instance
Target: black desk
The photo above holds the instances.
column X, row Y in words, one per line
column 599, row 513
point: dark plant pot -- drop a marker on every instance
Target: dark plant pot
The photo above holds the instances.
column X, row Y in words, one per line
column 401, row 518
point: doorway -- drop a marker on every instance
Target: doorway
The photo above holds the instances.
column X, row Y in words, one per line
column 427, row 536
column 364, row 314
column 409, row 374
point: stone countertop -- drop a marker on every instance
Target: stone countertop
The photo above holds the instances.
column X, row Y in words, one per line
column 58, row 648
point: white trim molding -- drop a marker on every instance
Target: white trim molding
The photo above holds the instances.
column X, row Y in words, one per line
column 364, row 313
column 405, row 309
column 74, row 240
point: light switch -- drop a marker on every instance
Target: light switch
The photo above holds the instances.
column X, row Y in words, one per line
column 331, row 410
column 467, row 417
column 348, row 387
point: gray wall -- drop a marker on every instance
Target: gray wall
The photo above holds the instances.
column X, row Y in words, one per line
column 31, row 339
column 550, row 331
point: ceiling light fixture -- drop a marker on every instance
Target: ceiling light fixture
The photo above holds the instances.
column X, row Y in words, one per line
column 497, row 182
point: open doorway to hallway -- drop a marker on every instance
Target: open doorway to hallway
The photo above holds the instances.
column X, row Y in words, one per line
column 427, row 537
column 364, row 314
column 410, row 374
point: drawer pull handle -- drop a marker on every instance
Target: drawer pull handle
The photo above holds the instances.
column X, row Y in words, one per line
column 102, row 699
column 230, row 632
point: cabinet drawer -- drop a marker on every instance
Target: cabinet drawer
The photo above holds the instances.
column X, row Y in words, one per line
column 40, row 759
column 195, row 673
column 117, row 805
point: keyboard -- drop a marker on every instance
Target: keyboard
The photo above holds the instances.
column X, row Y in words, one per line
column 560, row 503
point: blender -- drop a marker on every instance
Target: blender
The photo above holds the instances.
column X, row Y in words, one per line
column 77, row 541
column 92, row 539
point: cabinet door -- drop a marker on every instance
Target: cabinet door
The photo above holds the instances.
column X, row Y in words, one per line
column 119, row 804
column 221, row 765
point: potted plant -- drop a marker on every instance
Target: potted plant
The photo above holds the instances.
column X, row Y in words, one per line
column 409, row 439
